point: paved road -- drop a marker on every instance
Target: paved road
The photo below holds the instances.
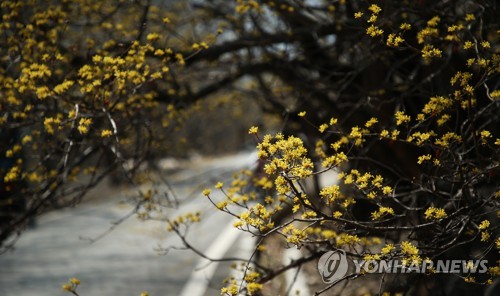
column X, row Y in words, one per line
column 124, row 261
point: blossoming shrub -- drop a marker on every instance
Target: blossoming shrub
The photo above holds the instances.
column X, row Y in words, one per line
column 87, row 88
column 399, row 98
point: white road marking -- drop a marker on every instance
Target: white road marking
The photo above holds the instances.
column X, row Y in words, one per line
column 204, row 270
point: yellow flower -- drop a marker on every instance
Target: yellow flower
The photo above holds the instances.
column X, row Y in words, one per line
column 371, row 122
column 394, row 135
column 433, row 21
column 74, row 281
column 323, row 127
column 375, row 8
column 386, row 190
column 384, row 134
column 374, row 31
column 358, row 14
column 67, row 287
column 12, row 174
column 42, row 92
column 206, row 191
column 468, row 44
column 387, row 249
column 485, row 236
column 219, row 185
column 302, row 114
column 180, row 59
column 408, row 248
column 485, row 224
column 382, row 212
column 83, row 125
column 405, row 26
column 106, row 133
column 485, row 44
column 253, row 288
column 485, row 135
column 423, row 158
column 394, row 40
column 153, row 37
column 83, row 129
column 430, row 51
column 401, row 118
column 372, row 19
column 469, row 17
column 26, row 139
column 433, row 213
column 253, row 130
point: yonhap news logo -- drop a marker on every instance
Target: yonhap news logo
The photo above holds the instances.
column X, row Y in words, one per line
column 333, row 266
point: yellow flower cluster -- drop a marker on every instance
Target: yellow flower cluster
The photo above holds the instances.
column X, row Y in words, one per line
column 51, row 122
column 447, row 139
column 387, row 249
column 429, row 31
column 335, row 160
column 374, row 31
column 485, row 135
column 15, row 149
column 84, row 124
column 423, row 158
column 293, row 235
column 484, row 224
column 286, row 156
column 243, row 6
column 253, row 130
column 433, row 213
column 253, row 288
column 258, row 217
column 346, row 239
column 411, row 253
column 356, row 134
column 13, row 174
column 331, row 193
column 394, row 40
column 335, row 145
column 71, row 285
column 63, row 87
column 392, row 135
column 429, row 52
column 372, row 185
column 420, row 138
column 382, row 212
column 231, row 290
column 371, row 122
column 106, row 133
column 375, row 9
column 186, row 219
column 401, row 118
column 437, row 105
column 199, row 46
